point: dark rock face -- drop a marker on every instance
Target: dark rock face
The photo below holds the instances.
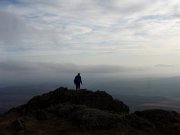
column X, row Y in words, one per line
column 99, row 99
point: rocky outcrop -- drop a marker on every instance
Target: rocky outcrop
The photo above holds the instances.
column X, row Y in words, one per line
column 98, row 99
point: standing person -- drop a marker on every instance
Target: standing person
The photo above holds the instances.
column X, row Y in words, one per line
column 77, row 81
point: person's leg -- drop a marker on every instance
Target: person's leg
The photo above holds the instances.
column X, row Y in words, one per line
column 77, row 86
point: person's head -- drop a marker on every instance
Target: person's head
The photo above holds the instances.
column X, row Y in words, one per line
column 79, row 74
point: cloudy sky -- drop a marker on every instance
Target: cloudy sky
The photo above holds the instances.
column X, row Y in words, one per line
column 114, row 37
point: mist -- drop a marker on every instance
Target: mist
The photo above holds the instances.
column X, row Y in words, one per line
column 21, row 80
column 114, row 79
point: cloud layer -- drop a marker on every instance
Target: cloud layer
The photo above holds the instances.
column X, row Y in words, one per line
column 126, row 33
column 93, row 24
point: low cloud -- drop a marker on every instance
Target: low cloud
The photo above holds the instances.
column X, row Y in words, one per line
column 167, row 65
column 25, row 67
column 13, row 71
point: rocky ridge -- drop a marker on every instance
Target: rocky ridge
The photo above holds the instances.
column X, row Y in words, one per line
column 85, row 112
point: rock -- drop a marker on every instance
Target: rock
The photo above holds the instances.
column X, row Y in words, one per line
column 39, row 114
column 69, row 112
column 99, row 99
column 17, row 125
column 137, row 122
column 165, row 121
column 94, row 118
column 86, row 117
column 65, row 110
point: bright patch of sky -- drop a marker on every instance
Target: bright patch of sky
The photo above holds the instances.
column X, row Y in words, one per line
column 122, row 33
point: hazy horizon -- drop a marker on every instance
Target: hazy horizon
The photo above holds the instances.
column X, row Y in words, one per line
column 150, row 87
column 138, row 93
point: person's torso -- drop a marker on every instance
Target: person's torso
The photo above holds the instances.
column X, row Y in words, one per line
column 78, row 79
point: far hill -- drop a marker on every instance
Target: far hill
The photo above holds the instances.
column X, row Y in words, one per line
column 139, row 103
column 67, row 112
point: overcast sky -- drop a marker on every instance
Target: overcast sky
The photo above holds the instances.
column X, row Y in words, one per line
column 118, row 37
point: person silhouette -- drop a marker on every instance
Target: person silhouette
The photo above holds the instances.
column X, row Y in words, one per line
column 78, row 81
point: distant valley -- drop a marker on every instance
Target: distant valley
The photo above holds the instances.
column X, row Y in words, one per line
column 14, row 96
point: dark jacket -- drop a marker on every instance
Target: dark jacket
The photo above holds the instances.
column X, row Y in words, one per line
column 77, row 79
